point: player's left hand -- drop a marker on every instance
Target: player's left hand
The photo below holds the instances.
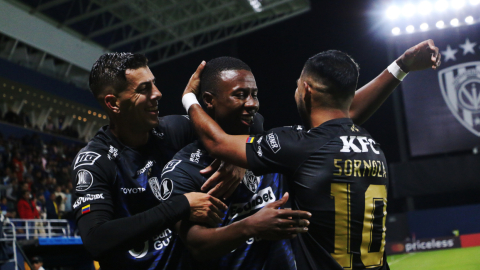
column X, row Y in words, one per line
column 227, row 177
column 420, row 57
column 193, row 85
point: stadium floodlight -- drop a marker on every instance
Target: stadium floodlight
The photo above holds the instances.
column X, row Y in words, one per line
column 410, row 29
column 454, row 22
column 457, row 4
column 396, row 31
column 469, row 20
column 393, row 12
column 474, row 2
column 424, row 26
column 408, row 10
column 425, row 7
column 441, row 5
column 440, row 24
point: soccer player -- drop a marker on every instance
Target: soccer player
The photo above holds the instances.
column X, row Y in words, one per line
column 230, row 95
column 122, row 211
column 336, row 171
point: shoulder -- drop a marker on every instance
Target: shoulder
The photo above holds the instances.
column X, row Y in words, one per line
column 94, row 161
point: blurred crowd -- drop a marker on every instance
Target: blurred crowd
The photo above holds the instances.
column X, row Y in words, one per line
column 35, row 177
column 55, row 126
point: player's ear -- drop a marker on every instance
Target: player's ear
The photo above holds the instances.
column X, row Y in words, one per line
column 208, row 99
column 111, row 101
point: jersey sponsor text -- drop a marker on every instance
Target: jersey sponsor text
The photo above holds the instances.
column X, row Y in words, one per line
column 259, row 200
column 86, row 158
column 86, row 198
column 359, row 168
column 349, row 145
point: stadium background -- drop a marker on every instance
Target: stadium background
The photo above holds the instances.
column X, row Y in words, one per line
column 447, row 204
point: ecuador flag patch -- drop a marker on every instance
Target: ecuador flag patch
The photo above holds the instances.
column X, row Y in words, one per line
column 86, row 209
column 250, row 139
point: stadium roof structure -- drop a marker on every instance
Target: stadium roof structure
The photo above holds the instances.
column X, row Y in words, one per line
column 71, row 34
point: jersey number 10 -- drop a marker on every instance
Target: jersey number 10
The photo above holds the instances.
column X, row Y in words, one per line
column 373, row 233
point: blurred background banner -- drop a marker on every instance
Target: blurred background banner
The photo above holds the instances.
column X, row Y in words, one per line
column 442, row 108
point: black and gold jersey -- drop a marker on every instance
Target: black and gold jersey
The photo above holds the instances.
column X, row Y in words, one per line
column 337, row 172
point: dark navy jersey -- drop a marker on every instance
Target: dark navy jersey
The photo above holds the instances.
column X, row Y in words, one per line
column 338, row 173
column 182, row 174
column 112, row 177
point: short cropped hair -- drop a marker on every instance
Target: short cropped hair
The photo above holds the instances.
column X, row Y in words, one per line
column 338, row 68
column 211, row 73
column 109, row 70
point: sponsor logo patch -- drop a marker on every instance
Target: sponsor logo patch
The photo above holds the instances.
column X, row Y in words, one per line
column 86, row 209
column 132, row 190
column 195, row 157
column 85, row 158
column 273, row 142
column 155, row 186
column 112, row 153
column 84, row 180
column 259, row 200
column 86, row 198
column 146, row 167
column 251, row 181
column 166, row 188
column 170, row 166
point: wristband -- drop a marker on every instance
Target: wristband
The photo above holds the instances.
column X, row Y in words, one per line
column 188, row 100
column 396, row 71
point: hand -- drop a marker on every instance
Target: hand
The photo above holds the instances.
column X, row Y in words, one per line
column 193, row 85
column 227, row 177
column 420, row 56
column 205, row 208
column 272, row 223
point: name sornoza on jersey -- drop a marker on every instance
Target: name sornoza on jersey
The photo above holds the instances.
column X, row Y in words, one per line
column 359, row 167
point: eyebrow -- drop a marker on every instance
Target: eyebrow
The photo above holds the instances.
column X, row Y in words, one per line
column 145, row 83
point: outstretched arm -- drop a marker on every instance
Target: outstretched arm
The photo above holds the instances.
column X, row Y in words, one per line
column 371, row 96
column 269, row 223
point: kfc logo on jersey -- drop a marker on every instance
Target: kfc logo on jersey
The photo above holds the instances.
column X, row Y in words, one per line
column 86, row 198
column 349, row 145
column 251, row 181
column 259, row 200
column 112, row 153
column 85, row 158
column 170, row 166
column 195, row 157
column 84, row 180
column 273, row 142
column 460, row 87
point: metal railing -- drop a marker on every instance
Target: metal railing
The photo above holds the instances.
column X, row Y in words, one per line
column 35, row 228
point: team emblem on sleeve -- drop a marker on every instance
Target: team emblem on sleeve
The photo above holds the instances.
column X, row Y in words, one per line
column 85, row 158
column 251, row 181
column 273, row 142
column 84, row 180
column 170, row 166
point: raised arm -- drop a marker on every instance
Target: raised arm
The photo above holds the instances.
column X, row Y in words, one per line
column 371, row 96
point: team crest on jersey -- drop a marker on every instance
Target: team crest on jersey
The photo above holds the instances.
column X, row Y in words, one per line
column 251, row 181
column 170, row 166
column 163, row 190
column 85, row 158
column 273, row 142
column 460, row 86
column 84, row 180
column 112, row 153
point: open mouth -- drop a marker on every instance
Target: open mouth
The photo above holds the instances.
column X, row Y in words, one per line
column 152, row 109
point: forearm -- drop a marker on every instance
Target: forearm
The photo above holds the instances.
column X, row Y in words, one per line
column 371, row 96
column 209, row 243
column 101, row 234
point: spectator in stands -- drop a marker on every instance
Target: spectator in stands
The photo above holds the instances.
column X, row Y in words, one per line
column 51, row 207
column 37, row 262
column 63, row 198
column 26, row 207
column 17, row 164
column 12, row 190
column 68, row 200
column 9, row 176
column 41, row 206
column 4, row 205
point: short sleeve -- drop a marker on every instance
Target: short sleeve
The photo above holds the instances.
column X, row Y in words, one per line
column 185, row 177
column 277, row 150
column 176, row 130
column 92, row 175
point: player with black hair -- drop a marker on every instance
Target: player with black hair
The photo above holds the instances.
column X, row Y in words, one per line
column 230, row 96
column 123, row 212
column 335, row 170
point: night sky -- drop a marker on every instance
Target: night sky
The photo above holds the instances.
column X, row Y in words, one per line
column 277, row 53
